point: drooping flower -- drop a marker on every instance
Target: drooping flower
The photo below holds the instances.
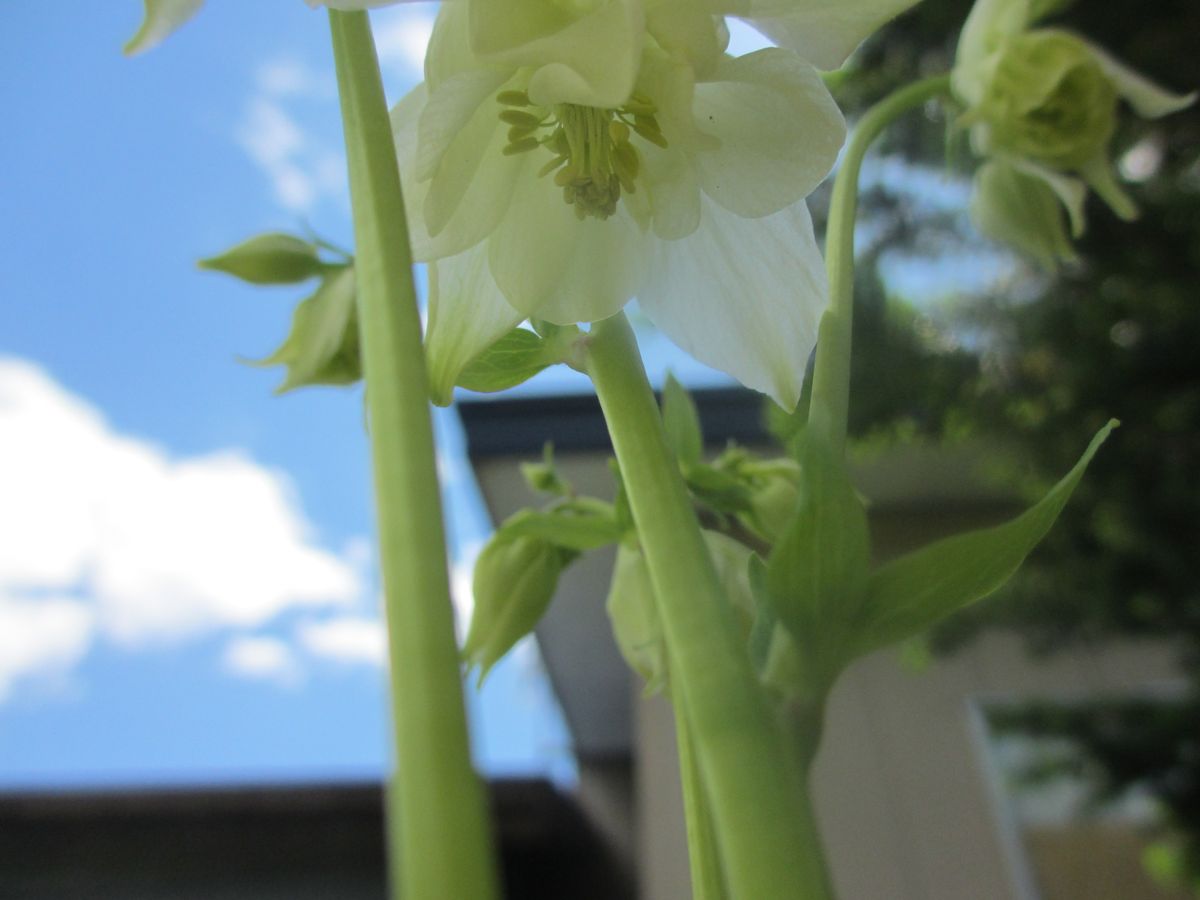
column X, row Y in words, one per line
column 1042, row 108
column 530, row 199
column 162, row 17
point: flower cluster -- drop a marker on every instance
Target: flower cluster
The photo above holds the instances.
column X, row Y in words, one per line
column 1042, row 108
column 564, row 156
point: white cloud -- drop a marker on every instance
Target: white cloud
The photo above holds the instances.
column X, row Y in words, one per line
column 401, row 36
column 40, row 637
column 132, row 545
column 301, row 170
column 261, row 659
column 353, row 640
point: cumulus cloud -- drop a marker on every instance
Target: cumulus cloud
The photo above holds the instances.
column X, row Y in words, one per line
column 41, row 637
column 303, row 169
column 261, row 659
column 107, row 536
column 350, row 640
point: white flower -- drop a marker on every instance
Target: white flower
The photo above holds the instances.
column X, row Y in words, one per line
column 686, row 191
column 1041, row 105
column 162, row 17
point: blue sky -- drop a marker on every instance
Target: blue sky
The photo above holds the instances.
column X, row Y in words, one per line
column 187, row 588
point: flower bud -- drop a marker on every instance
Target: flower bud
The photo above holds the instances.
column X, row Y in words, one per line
column 515, row 580
column 634, row 616
column 1049, row 100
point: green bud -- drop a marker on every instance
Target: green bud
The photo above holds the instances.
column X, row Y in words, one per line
column 634, row 616
column 1017, row 209
column 774, row 495
column 268, row 259
column 322, row 346
column 515, row 580
column 1049, row 100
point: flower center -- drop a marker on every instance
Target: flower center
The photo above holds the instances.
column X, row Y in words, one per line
column 593, row 158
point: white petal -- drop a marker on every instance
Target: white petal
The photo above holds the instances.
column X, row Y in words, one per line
column 589, row 58
column 743, row 295
column 669, row 185
column 778, row 132
column 467, row 314
column 161, row 18
column 824, row 32
column 469, row 193
column 1147, row 98
column 449, row 52
column 451, row 106
column 551, row 265
column 405, row 118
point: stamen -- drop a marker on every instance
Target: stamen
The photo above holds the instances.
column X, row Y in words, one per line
column 593, row 157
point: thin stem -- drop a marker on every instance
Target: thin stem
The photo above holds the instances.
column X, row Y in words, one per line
column 703, row 855
column 438, row 832
column 769, row 851
column 831, row 374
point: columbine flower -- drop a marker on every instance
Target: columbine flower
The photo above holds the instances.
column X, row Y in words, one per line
column 162, row 17
column 686, row 189
column 1042, row 106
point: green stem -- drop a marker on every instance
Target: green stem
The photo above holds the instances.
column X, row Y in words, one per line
column 831, row 373
column 438, row 831
column 703, row 855
column 769, row 851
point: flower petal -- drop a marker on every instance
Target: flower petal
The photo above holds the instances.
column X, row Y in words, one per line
column 551, row 265
column 1100, row 177
column 990, row 25
column 589, row 58
column 824, row 32
column 1070, row 191
column 160, row 19
column 467, row 314
column 743, row 295
column 451, row 106
column 1147, row 98
column 1017, row 209
column 778, row 132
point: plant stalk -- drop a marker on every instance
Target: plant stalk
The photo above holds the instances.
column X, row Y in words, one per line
column 831, row 373
column 439, row 839
column 769, row 848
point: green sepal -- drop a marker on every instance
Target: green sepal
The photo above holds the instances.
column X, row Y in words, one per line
column 576, row 525
column 909, row 594
column 514, row 359
column 543, row 477
column 818, row 569
column 682, row 423
column 515, row 580
column 633, row 613
column 721, row 490
column 272, row 258
column 322, row 346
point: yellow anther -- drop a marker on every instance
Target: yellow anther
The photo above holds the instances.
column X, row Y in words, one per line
column 513, row 98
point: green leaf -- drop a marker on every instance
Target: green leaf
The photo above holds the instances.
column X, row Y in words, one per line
column 515, row 579
column 268, row 259
column 682, row 423
column 817, row 571
column 513, row 359
column 567, row 527
column 908, row 595
column 721, row 490
column 322, row 346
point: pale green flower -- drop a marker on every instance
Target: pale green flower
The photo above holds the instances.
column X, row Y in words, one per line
column 1042, row 106
column 162, row 17
column 688, row 192
column 824, row 32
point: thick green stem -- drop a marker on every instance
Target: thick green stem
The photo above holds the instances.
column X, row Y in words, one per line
column 769, row 848
column 831, row 373
column 438, row 831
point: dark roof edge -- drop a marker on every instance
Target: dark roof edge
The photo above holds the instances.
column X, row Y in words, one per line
column 573, row 422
